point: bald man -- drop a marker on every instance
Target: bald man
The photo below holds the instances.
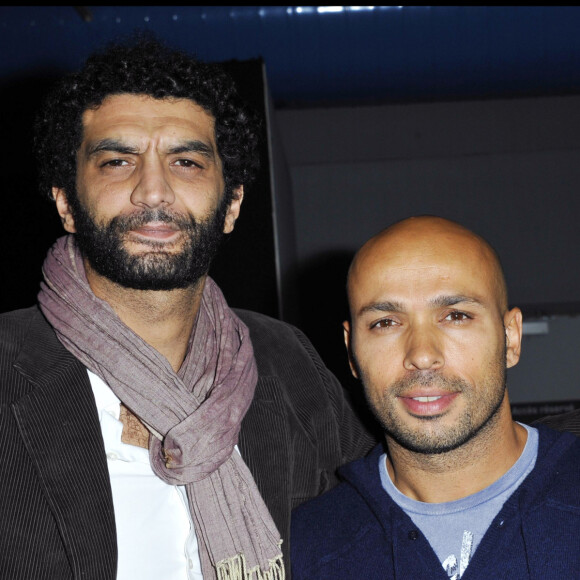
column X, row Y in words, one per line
column 458, row 489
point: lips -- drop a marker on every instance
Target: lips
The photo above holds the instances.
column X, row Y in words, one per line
column 423, row 404
column 159, row 231
column 427, row 399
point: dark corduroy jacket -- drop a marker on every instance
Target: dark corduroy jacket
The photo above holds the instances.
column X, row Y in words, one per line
column 357, row 531
column 563, row 422
column 56, row 508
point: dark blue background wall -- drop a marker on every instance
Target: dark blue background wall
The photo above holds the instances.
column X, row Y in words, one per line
column 322, row 55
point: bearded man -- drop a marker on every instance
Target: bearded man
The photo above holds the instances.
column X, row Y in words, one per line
column 458, row 490
column 147, row 430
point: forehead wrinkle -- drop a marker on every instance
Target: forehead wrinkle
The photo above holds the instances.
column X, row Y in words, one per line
column 126, row 113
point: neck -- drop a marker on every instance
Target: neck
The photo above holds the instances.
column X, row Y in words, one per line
column 453, row 475
column 162, row 318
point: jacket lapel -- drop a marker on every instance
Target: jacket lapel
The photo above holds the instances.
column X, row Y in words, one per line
column 59, row 425
column 265, row 446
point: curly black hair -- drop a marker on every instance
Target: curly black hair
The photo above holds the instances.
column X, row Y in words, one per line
column 144, row 65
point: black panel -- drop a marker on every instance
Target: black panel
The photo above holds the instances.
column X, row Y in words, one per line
column 28, row 223
column 245, row 269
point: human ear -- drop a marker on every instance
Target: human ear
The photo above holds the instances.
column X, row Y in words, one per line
column 63, row 208
column 234, row 209
column 347, row 342
column 512, row 322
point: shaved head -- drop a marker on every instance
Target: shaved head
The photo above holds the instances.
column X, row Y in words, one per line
column 429, row 235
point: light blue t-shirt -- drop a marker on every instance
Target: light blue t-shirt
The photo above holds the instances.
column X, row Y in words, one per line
column 454, row 529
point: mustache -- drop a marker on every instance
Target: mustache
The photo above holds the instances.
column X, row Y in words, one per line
column 428, row 379
column 125, row 223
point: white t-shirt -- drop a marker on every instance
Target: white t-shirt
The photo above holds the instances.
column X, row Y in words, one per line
column 155, row 534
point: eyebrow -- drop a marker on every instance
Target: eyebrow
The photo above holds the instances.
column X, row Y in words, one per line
column 382, row 307
column 110, row 145
column 437, row 302
column 118, row 146
column 193, row 146
column 456, row 299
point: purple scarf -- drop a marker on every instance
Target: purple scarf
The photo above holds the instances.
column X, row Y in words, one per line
column 194, row 415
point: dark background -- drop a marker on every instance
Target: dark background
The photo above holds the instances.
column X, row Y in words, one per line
column 315, row 59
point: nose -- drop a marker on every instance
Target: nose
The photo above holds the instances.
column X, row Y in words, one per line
column 424, row 350
column 152, row 189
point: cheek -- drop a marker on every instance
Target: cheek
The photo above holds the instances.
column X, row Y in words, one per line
column 476, row 359
column 106, row 200
column 377, row 363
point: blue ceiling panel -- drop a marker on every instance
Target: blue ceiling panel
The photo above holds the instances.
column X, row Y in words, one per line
column 328, row 55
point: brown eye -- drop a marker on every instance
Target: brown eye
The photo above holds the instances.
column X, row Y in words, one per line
column 186, row 163
column 384, row 323
column 457, row 316
column 115, row 163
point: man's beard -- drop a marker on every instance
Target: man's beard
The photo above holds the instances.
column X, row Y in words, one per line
column 481, row 412
column 102, row 245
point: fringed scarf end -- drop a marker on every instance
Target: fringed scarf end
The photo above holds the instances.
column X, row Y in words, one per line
column 235, row 568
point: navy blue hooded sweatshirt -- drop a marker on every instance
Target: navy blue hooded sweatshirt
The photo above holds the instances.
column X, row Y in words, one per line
column 357, row 532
